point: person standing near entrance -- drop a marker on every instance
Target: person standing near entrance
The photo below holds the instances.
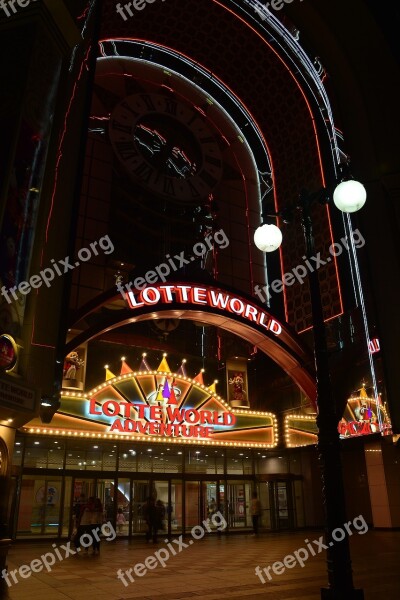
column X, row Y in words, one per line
column 160, row 516
column 255, row 512
column 120, row 520
column 150, row 516
column 96, row 520
column 78, row 509
column 85, row 522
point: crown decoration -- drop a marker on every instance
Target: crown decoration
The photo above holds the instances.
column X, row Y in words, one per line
column 167, row 390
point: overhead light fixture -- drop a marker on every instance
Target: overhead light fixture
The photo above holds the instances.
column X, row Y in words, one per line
column 350, row 196
column 268, row 238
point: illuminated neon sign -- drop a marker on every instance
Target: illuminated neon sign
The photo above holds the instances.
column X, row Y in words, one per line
column 361, row 417
column 203, row 296
column 374, row 346
column 161, row 420
column 160, row 405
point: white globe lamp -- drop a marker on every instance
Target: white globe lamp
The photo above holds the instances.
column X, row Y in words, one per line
column 268, row 238
column 349, row 196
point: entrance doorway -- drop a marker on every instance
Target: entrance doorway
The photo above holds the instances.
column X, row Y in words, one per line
column 47, row 505
column 282, row 503
column 239, row 504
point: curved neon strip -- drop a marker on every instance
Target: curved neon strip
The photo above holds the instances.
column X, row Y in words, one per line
column 194, row 64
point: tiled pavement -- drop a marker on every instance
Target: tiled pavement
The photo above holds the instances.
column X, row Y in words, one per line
column 210, row 569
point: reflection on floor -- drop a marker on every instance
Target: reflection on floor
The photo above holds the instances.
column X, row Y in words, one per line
column 211, row 568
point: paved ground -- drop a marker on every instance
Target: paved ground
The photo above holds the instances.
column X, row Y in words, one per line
column 208, row 569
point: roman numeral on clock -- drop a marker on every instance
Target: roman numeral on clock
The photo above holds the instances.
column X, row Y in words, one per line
column 117, row 126
column 207, row 140
column 194, row 192
column 170, row 107
column 169, row 186
column 192, row 119
column 212, row 161
column 148, row 102
column 126, row 106
column 144, row 172
column 126, row 150
column 208, row 179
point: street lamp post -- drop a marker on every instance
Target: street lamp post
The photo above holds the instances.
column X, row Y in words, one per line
column 340, row 576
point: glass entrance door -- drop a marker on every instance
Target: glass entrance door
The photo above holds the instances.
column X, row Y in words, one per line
column 40, row 502
column 239, row 504
column 123, row 501
column 161, row 494
column 140, row 491
column 265, row 492
column 192, row 504
column 209, row 500
column 283, row 505
column 175, row 507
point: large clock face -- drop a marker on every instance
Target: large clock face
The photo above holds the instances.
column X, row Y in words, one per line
column 166, row 146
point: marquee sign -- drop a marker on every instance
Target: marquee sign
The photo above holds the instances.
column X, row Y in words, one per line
column 364, row 416
column 160, row 419
column 164, row 407
column 360, row 418
column 203, row 296
column 300, row 430
column 226, row 309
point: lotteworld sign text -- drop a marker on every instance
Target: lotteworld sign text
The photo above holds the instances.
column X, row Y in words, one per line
column 203, row 296
column 163, row 421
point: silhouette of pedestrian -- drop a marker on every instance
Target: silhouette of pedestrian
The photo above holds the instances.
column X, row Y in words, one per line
column 255, row 512
column 150, row 516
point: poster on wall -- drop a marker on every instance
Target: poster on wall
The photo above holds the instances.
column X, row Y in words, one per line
column 237, row 392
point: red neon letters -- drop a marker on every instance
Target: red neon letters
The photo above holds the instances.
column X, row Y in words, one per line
column 189, row 294
column 168, row 421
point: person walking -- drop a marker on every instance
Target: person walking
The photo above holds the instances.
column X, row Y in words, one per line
column 160, row 516
column 255, row 512
column 120, row 520
column 77, row 510
column 150, row 516
column 84, row 525
column 96, row 520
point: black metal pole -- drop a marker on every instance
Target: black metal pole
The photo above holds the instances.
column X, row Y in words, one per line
column 340, row 577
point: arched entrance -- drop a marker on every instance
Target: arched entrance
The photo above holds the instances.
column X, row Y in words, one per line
column 221, row 307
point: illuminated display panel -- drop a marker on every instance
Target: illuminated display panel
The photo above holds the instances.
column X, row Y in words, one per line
column 360, row 418
column 161, row 407
column 300, row 430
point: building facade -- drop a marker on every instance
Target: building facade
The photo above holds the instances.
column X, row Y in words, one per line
column 140, row 154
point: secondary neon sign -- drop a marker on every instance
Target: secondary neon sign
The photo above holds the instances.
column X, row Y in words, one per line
column 203, row 296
